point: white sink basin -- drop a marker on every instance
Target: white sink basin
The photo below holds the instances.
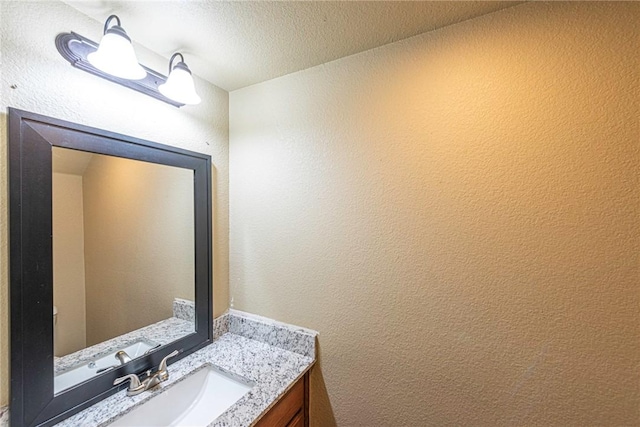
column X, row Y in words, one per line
column 195, row 401
column 98, row 364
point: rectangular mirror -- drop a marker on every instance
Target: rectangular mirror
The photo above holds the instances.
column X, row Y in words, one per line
column 110, row 261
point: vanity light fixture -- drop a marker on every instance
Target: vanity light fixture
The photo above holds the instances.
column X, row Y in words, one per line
column 115, row 54
column 179, row 85
column 108, row 60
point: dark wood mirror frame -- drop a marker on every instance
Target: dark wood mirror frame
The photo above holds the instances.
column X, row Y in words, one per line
column 31, row 138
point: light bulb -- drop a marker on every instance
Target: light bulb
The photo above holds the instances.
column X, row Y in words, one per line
column 179, row 85
column 115, row 54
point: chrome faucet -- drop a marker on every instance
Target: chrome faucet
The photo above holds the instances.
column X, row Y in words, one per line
column 152, row 380
column 123, row 357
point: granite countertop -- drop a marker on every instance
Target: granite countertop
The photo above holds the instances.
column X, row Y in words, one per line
column 268, row 354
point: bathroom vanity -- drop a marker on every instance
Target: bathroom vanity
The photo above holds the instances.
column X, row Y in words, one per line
column 272, row 359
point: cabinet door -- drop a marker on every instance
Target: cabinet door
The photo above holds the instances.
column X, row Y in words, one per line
column 298, row 420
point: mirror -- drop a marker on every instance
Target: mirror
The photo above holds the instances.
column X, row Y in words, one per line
column 123, row 241
column 110, row 261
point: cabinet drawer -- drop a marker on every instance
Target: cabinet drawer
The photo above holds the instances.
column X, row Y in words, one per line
column 291, row 407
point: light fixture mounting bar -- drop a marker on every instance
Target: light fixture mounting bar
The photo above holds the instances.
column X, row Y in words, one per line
column 74, row 48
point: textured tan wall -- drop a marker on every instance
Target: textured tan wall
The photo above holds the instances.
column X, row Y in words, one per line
column 457, row 214
column 139, row 245
column 45, row 83
column 68, row 264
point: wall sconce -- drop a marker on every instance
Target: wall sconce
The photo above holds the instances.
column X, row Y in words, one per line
column 115, row 60
column 179, row 85
column 115, row 54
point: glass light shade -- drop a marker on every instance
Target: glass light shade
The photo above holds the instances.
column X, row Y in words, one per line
column 179, row 86
column 115, row 56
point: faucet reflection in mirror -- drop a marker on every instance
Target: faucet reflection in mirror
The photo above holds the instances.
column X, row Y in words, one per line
column 114, row 59
column 100, row 363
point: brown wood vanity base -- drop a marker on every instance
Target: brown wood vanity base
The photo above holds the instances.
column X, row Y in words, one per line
column 292, row 410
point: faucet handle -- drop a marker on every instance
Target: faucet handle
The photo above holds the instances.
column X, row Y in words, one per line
column 135, row 381
column 163, row 373
column 135, row 385
column 163, row 363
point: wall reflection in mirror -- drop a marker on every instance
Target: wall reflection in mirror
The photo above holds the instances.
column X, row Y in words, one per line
column 123, row 261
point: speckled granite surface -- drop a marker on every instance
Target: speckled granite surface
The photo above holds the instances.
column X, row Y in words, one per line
column 247, row 353
column 220, row 325
column 184, row 309
column 289, row 337
column 162, row 332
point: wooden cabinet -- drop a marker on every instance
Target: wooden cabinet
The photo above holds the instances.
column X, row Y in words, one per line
column 292, row 410
column 298, row 420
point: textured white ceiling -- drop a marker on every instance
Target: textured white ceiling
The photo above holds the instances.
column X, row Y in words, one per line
column 236, row 44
